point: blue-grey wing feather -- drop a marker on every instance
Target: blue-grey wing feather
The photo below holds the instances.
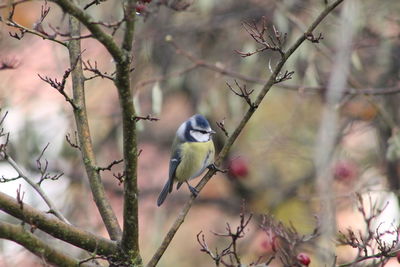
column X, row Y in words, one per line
column 173, row 164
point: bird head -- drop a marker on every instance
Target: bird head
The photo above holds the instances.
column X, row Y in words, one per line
column 195, row 129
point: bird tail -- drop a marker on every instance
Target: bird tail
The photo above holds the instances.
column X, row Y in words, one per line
column 167, row 189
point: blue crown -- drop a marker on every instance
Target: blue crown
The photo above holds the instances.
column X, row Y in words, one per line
column 201, row 121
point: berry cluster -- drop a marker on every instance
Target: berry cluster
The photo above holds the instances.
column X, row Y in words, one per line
column 141, row 6
column 304, row 259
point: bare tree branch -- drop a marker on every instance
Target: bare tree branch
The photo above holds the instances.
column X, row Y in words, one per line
column 130, row 235
column 97, row 73
column 57, row 228
column 370, row 244
column 107, row 40
column 260, row 35
column 18, row 234
column 94, row 2
column 286, row 240
column 234, row 235
column 109, row 166
column 75, row 143
column 45, row 175
column 35, row 186
column 328, row 132
column 221, row 125
column 60, row 85
column 122, row 57
column 38, row 28
column 108, row 216
column 147, row 118
column 244, row 93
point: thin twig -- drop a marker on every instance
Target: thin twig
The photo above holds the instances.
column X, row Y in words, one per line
column 107, row 40
column 6, row 180
column 221, row 125
column 97, row 73
column 43, row 169
column 94, row 2
column 20, row 197
column 7, row 64
column 147, row 118
column 120, row 176
column 260, row 35
column 109, row 166
column 371, row 240
column 37, row 188
column 75, row 143
column 368, row 257
column 112, row 25
column 60, row 85
column 244, row 93
column 38, row 29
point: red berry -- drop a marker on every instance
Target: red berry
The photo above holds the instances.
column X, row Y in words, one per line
column 303, row 258
column 239, row 167
column 266, row 245
column 140, row 8
column 269, row 244
column 345, row 171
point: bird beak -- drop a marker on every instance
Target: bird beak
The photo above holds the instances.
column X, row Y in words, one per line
column 211, row 131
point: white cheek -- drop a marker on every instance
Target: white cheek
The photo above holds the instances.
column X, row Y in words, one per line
column 181, row 131
column 200, row 137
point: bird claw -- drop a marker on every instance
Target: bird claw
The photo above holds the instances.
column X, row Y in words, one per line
column 213, row 167
column 193, row 190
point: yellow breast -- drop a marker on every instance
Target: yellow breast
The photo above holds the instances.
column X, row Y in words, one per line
column 196, row 156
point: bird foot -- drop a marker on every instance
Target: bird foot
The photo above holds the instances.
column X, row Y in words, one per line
column 213, row 167
column 193, row 190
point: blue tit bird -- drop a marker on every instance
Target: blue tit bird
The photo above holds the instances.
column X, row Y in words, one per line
column 192, row 152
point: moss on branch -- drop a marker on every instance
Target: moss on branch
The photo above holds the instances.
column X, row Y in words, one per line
column 18, row 234
column 82, row 123
column 57, row 228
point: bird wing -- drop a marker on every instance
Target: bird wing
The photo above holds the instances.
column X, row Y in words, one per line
column 173, row 165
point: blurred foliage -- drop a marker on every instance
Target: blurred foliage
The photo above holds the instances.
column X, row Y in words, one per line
column 278, row 143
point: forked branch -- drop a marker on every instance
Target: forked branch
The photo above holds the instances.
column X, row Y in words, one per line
column 269, row 41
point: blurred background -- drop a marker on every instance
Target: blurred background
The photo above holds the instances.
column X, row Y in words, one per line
column 272, row 164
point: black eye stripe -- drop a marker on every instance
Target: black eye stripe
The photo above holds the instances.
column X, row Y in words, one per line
column 199, row 130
